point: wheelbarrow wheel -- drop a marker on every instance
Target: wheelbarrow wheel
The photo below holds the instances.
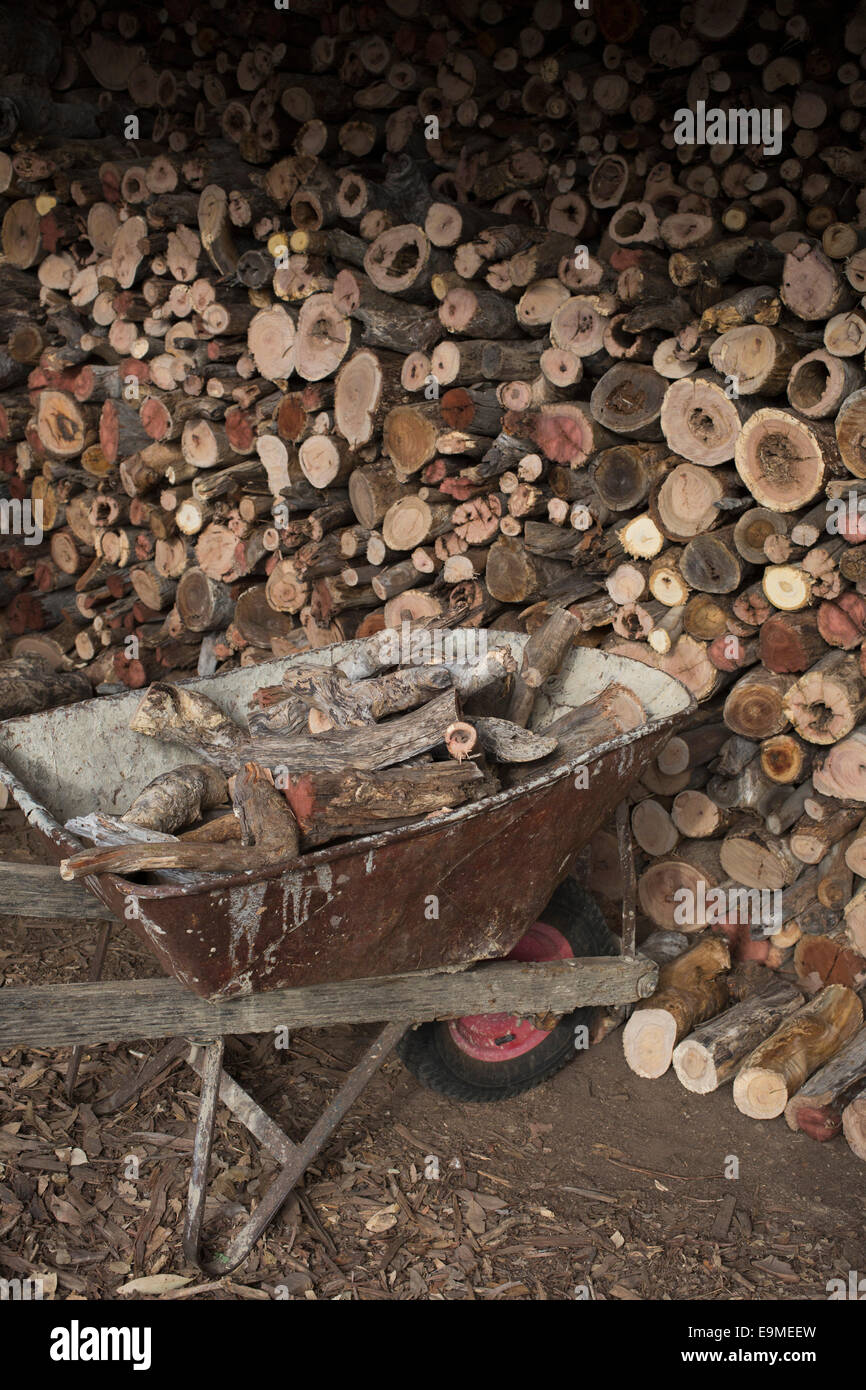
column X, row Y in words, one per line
column 487, row 1057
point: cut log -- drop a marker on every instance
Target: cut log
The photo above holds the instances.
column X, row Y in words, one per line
column 772, row 1074
column 691, row 989
column 817, row 1108
column 711, row 1055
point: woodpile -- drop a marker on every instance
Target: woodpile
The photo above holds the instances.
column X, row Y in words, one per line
column 321, row 320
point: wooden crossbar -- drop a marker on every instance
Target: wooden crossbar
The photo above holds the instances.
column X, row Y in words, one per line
column 125, row 1010
column 38, row 891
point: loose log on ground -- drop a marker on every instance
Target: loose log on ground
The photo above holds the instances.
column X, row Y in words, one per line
column 691, row 989
column 779, row 1066
column 710, row 1056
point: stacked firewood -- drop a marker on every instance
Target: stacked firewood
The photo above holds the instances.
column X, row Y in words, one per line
column 325, row 319
column 785, row 1052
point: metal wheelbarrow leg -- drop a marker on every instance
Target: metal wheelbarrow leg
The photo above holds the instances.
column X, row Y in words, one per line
column 292, row 1170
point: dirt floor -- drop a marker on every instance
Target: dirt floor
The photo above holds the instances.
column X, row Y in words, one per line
column 596, row 1185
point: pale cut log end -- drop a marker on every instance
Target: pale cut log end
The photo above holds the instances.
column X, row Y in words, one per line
column 694, row 1068
column 648, row 1042
column 760, row 1094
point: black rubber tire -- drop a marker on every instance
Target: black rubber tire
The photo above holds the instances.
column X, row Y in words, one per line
column 431, row 1055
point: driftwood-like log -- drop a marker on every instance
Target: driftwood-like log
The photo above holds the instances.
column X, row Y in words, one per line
column 178, row 798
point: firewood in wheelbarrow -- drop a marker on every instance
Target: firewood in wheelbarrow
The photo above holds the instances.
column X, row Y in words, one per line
column 335, row 703
column 332, row 805
column 108, row 832
column 214, row 831
column 286, row 715
column 710, row 1055
column 691, row 988
column 262, row 812
column 183, row 716
column 818, row 1106
column 461, row 740
column 615, row 710
column 506, row 742
column 178, row 798
column 542, row 657
column 476, row 676
column 266, row 819
column 777, row 1068
column 373, row 747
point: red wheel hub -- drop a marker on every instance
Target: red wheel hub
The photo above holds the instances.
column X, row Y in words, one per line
column 500, row 1037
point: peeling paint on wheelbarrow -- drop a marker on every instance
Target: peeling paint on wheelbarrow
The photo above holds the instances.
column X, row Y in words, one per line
column 458, row 887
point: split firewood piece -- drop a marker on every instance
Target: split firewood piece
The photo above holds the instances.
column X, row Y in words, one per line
column 700, row 419
column 855, row 919
column 693, row 747
column 343, row 705
column 819, row 1105
column 628, row 400
column 178, row 798
column 184, row 716
column 753, row 856
column 332, row 805
column 755, row 359
column 851, row 434
column 697, row 816
column 841, row 772
column 806, row 1040
column 266, row 819
column 543, row 655
column 828, row 701
column 677, row 891
column 710, row 1055
column 513, row 575
column 811, row 840
column 688, row 500
column 652, row 827
column 506, row 742
column 755, row 707
column 691, row 989
column 790, row 642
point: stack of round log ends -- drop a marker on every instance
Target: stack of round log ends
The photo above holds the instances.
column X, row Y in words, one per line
column 321, row 319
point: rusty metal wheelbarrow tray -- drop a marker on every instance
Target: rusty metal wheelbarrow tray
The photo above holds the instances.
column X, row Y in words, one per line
column 459, row 887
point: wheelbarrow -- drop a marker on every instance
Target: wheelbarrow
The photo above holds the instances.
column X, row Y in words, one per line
column 395, row 926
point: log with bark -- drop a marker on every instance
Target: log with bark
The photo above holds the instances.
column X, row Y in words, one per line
column 772, row 1074
column 691, row 988
column 711, row 1055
